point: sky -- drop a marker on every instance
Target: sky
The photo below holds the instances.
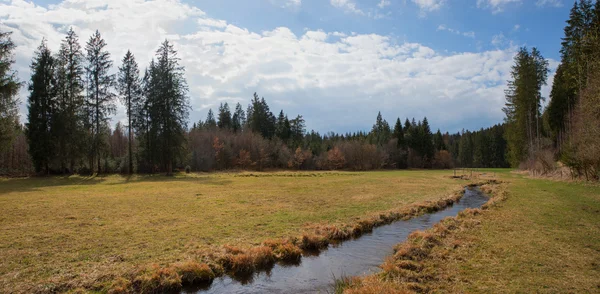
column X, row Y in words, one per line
column 335, row 62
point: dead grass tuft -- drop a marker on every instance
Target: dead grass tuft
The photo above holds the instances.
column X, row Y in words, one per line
column 288, row 252
column 313, row 242
column 156, row 280
column 120, row 286
column 193, row 272
column 262, row 256
column 241, row 263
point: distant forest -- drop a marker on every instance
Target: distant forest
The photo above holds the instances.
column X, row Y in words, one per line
column 72, row 95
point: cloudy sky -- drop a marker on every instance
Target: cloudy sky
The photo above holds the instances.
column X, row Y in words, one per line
column 336, row 62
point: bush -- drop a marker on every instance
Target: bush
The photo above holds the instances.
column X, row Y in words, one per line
column 188, row 169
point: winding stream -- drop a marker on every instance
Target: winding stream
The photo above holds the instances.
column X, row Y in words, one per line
column 355, row 257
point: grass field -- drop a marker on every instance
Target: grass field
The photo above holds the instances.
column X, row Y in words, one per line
column 544, row 237
column 87, row 230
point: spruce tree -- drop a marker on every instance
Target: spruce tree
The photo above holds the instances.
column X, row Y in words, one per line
column 211, row 122
column 100, row 88
column 41, row 105
column 238, row 119
column 224, row 117
column 130, row 92
column 171, row 104
column 427, row 148
column 9, row 88
column 399, row 134
column 68, row 125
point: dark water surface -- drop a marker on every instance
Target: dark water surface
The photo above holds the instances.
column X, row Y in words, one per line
column 351, row 258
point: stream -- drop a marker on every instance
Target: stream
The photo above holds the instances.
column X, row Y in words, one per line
column 356, row 257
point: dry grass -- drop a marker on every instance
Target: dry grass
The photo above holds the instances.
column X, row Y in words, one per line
column 532, row 236
column 75, row 232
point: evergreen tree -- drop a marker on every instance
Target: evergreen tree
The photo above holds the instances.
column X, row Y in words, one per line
column 211, row 122
column 523, row 104
column 171, row 105
column 260, row 119
column 399, row 134
column 131, row 96
column 9, row 88
column 465, row 152
column 100, row 88
column 427, row 148
column 41, row 106
column 238, row 119
column 380, row 132
column 68, row 125
column 438, row 141
column 224, row 117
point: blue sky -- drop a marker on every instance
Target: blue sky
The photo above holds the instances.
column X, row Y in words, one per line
column 336, row 62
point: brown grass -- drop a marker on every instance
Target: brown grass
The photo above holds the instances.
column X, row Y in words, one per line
column 45, row 219
column 412, row 266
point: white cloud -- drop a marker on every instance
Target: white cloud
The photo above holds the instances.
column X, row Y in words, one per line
column 291, row 4
column 337, row 80
column 516, row 28
column 497, row 6
column 469, row 34
column 551, row 3
column 209, row 22
column 383, row 3
column 429, row 5
column 347, row 6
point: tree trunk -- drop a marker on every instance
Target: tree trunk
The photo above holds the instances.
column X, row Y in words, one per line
column 130, row 138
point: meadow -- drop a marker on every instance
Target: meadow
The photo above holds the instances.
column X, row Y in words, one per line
column 536, row 235
column 85, row 231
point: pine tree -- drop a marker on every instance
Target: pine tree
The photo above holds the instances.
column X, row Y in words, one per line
column 427, row 148
column 68, row 125
column 41, row 105
column 238, row 119
column 399, row 134
column 100, row 87
column 211, row 122
column 171, row 104
column 523, row 104
column 224, row 117
column 438, row 140
column 9, row 88
column 131, row 96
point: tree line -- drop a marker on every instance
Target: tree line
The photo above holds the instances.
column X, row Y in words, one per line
column 568, row 128
column 73, row 94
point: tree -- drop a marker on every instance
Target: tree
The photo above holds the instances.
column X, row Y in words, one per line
column 438, row 141
column 239, row 118
column 130, row 91
column 69, row 122
column 260, row 119
column 399, row 134
column 171, row 104
column 210, row 123
column 380, row 132
column 523, row 104
column 41, row 105
column 101, row 84
column 224, row 117
column 9, row 88
column 427, row 149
